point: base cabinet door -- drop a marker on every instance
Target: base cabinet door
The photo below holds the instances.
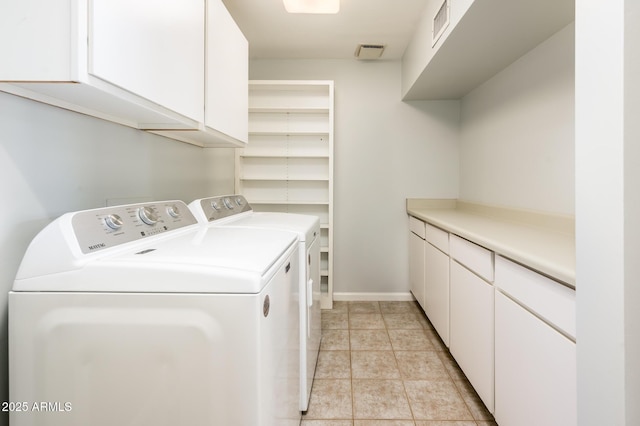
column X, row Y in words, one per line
column 416, row 267
column 535, row 370
column 471, row 331
column 436, row 276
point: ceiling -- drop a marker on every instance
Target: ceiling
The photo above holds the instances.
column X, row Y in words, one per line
column 274, row 33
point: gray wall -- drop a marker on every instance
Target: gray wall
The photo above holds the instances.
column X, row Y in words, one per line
column 517, row 132
column 385, row 150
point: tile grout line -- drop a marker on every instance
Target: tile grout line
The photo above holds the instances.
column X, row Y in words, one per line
column 353, row 395
column 404, row 387
column 439, row 348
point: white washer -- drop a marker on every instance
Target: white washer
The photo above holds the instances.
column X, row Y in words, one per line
column 235, row 211
column 136, row 315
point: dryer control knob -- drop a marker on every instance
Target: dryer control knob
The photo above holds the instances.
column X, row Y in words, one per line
column 216, row 205
column 239, row 201
column 227, row 203
column 113, row 221
column 173, row 211
column 148, row 215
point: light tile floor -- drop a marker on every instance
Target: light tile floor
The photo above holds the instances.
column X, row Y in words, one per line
column 382, row 363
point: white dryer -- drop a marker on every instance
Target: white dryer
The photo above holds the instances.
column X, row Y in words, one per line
column 235, row 211
column 136, row 315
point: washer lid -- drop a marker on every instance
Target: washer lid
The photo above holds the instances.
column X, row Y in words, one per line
column 206, row 260
column 243, row 249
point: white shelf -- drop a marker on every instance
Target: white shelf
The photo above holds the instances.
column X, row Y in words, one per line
column 287, row 165
column 280, row 156
column 287, row 145
column 288, row 110
column 285, row 168
column 283, row 179
column 289, row 96
column 290, row 203
column 289, row 123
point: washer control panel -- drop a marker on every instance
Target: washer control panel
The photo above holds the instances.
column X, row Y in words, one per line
column 215, row 208
column 110, row 226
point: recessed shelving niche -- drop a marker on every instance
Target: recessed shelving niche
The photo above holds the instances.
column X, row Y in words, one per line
column 287, row 166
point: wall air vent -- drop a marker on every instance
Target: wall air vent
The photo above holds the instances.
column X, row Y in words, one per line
column 440, row 21
column 369, row 51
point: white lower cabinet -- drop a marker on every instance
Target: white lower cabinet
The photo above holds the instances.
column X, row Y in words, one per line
column 511, row 329
column 429, row 273
column 436, row 289
column 471, row 330
column 416, row 267
column 535, row 370
column 535, row 361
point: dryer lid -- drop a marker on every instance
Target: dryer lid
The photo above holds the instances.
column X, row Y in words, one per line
column 306, row 226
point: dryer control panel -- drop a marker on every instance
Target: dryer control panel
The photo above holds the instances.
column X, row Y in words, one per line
column 215, row 208
column 110, row 226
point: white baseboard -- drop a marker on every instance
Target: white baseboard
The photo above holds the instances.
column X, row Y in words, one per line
column 373, row 297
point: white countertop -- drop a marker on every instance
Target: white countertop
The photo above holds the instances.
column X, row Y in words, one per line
column 545, row 243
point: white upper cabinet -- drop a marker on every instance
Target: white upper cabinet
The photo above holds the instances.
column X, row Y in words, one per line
column 153, row 48
column 146, row 64
column 482, row 38
column 121, row 61
column 226, row 104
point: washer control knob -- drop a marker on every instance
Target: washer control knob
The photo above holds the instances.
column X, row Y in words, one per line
column 216, row 205
column 173, row 211
column 239, row 201
column 113, row 221
column 148, row 215
column 227, row 203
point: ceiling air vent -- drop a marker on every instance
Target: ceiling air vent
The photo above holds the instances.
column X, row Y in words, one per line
column 440, row 21
column 369, row 51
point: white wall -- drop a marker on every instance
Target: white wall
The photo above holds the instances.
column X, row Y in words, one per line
column 632, row 211
column 608, row 211
column 53, row 161
column 517, row 132
column 385, row 151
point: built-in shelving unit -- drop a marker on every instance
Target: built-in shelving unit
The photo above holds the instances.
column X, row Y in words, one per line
column 287, row 165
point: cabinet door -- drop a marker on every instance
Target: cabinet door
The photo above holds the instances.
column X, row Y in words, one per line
column 227, row 75
column 416, row 267
column 436, row 277
column 535, row 370
column 152, row 48
column 471, row 332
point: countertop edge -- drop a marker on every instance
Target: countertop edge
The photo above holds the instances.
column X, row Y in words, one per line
column 545, row 244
